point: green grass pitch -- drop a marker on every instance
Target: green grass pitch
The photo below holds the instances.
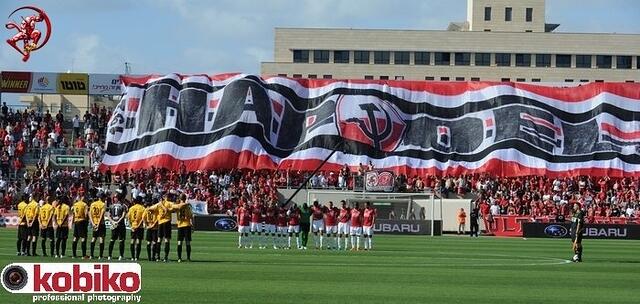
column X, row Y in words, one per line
column 401, row 269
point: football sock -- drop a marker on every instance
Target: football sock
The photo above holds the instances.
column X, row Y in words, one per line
column 138, row 247
column 83, row 246
column 188, row 251
column 121, row 247
column 74, row 246
column 64, row 247
column 93, row 247
column 101, row 249
column 43, row 244
column 111, row 243
column 179, row 251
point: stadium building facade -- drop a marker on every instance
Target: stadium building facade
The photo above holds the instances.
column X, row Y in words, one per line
column 501, row 40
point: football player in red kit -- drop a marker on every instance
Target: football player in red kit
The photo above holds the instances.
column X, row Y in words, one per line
column 243, row 217
column 270, row 223
column 330, row 228
column 367, row 225
column 317, row 226
column 356, row 227
column 282, row 226
column 257, row 212
column 344, row 216
column 294, row 225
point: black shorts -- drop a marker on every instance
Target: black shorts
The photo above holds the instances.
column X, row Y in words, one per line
column 34, row 230
column 62, row 233
column 137, row 234
column 23, row 232
column 47, row 233
column 152, row 235
column 164, row 230
column 101, row 231
column 576, row 238
column 184, row 234
column 80, row 229
column 119, row 233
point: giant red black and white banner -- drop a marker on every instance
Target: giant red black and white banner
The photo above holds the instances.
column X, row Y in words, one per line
column 415, row 127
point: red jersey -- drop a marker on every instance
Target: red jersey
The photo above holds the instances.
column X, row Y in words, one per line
column 317, row 212
column 345, row 215
column 294, row 218
column 256, row 214
column 331, row 216
column 243, row 216
column 282, row 218
column 270, row 216
column 356, row 217
column 369, row 216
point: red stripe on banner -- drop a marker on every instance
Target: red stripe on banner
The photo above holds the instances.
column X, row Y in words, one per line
column 488, row 122
column 451, row 88
column 213, row 103
column 540, row 121
column 132, row 104
column 229, row 159
column 277, row 107
column 220, row 159
column 613, row 130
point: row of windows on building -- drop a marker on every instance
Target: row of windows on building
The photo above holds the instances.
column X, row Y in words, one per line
column 508, row 14
column 464, row 59
column 444, row 78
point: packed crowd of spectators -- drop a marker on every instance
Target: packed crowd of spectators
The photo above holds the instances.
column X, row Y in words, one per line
column 534, row 196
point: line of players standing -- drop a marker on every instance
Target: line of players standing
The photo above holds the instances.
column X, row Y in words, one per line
column 331, row 226
column 53, row 217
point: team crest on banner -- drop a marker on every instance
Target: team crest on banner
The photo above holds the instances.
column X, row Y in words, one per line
column 370, row 120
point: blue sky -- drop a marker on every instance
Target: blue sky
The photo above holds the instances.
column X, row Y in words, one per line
column 235, row 36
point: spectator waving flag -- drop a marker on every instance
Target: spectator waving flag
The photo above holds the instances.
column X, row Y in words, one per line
column 198, row 207
column 414, row 127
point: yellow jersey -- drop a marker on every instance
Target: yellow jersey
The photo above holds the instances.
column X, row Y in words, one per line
column 46, row 212
column 184, row 216
column 31, row 211
column 151, row 218
column 164, row 211
column 62, row 213
column 21, row 216
column 79, row 211
column 96, row 212
column 136, row 215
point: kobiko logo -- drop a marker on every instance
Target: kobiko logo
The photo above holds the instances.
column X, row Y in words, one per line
column 72, row 278
column 556, row 231
column 226, row 224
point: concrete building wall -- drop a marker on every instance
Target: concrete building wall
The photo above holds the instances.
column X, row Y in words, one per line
column 289, row 39
column 497, row 22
